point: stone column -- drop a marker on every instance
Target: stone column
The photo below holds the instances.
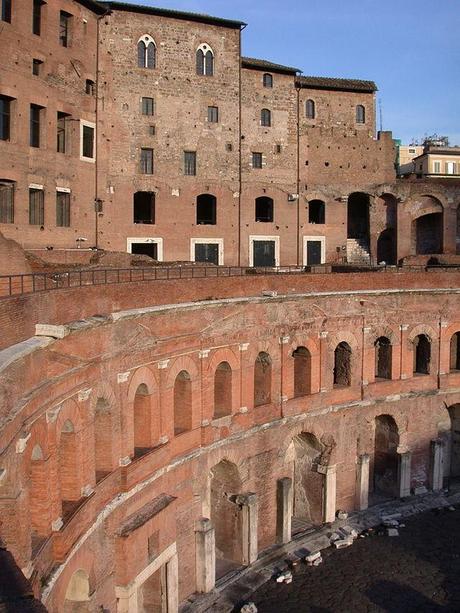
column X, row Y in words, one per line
column 436, row 464
column 362, row 482
column 330, row 477
column 172, row 584
column 404, row 473
column 205, row 553
column 248, row 526
column 284, row 500
column 449, row 229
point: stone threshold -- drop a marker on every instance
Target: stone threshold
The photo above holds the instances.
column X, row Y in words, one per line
column 238, row 586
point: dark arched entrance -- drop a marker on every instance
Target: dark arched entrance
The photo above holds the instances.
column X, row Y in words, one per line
column 358, row 218
column 428, row 234
column 384, row 479
column 308, row 482
column 386, row 247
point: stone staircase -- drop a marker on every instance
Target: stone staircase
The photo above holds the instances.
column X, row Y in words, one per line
column 357, row 252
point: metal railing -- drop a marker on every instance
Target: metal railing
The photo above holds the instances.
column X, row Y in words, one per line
column 16, row 285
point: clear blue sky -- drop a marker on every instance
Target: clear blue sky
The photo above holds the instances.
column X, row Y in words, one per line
column 410, row 48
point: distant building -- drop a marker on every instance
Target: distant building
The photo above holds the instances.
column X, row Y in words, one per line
column 405, row 157
column 438, row 162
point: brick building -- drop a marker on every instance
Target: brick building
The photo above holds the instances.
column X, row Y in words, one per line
column 199, row 154
column 195, row 423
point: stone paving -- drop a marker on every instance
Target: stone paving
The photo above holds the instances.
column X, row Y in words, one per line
column 418, row 570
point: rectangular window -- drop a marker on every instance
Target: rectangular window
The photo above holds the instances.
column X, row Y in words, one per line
column 6, row 10
column 64, row 28
column 35, row 114
column 61, row 132
column 152, row 130
column 190, row 163
column 146, row 162
column 36, row 207
column 89, row 87
column 450, row 168
column 6, row 202
column 63, row 209
column 437, row 167
column 213, row 114
column 147, row 106
column 256, row 160
column 36, row 67
column 37, row 17
column 87, row 141
column 5, row 117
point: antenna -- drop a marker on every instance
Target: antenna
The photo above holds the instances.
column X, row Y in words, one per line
column 380, row 115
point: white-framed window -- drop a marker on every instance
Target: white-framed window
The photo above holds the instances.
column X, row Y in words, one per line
column 264, row 250
column 207, row 250
column 437, row 166
column 314, row 250
column 205, row 60
column 146, row 52
column 146, row 245
column 87, row 141
column 450, row 168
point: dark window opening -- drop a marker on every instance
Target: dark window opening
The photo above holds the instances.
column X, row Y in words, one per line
column 265, row 118
column 146, row 162
column 310, row 110
column 256, row 160
column 5, row 117
column 64, row 28
column 358, row 218
column 207, row 252
column 89, row 87
column 6, row 10
column 455, row 351
column 36, row 67
column 144, row 207
column 264, row 253
column 302, row 372
column 35, row 114
column 264, row 209
column 422, row 355
column 360, row 114
column 88, row 142
column 61, row 132
column 190, row 163
column 148, row 106
column 206, row 205
column 182, row 403
column 267, row 80
column 316, row 212
column 204, row 63
column 229, row 147
column 222, row 390
column 63, row 209
column 262, row 379
column 150, row 249
column 314, row 252
column 383, row 351
column 386, row 247
column 428, row 231
column 6, row 201
column 342, row 364
column 36, row 207
column 152, row 130
column 146, row 54
column 37, row 17
column 213, row 114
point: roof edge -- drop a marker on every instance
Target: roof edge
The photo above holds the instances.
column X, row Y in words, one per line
column 265, row 65
column 352, row 85
column 94, row 6
column 172, row 14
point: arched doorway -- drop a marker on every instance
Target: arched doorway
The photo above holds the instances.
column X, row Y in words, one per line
column 421, row 355
column 428, row 234
column 308, row 483
column 182, row 403
column 358, row 218
column 68, row 463
column 342, row 365
column 384, row 479
column 222, row 390
column 77, row 599
column 383, row 358
column 386, row 247
column 142, row 415
column 225, row 484
column 302, row 371
column 454, row 473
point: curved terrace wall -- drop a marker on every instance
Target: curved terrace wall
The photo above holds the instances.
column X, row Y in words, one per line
column 99, row 485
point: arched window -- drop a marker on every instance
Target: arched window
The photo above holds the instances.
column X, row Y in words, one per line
column 422, row 355
column 382, row 358
column 204, row 60
column 302, row 371
column 223, row 390
column 77, row 591
column 102, row 439
column 262, row 379
column 146, row 52
column 68, row 469
column 265, row 118
column 142, row 415
column 360, row 114
column 342, row 364
column 267, row 80
column 206, row 205
column 264, row 209
column 316, row 211
column 39, row 507
column 182, row 403
column 310, row 109
column 455, row 351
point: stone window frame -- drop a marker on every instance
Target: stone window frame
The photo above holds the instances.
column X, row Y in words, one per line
column 146, row 239
column 147, row 39
column 262, row 237
column 203, row 68
column 322, row 239
column 205, row 241
column 87, row 124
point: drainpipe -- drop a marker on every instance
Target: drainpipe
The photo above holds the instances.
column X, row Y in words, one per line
column 240, row 180
column 298, row 176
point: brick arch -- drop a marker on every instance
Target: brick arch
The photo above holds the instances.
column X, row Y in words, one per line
column 425, row 329
column 302, row 374
column 70, row 410
column 225, row 354
column 183, row 362
column 424, row 204
column 392, row 334
column 143, row 410
column 37, row 482
column 326, row 440
column 142, row 375
column 38, row 436
column 339, row 337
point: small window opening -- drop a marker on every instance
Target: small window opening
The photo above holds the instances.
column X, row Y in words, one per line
column 256, row 160
column 213, row 114
column 265, row 118
column 262, row 379
column 64, row 28
column 36, row 67
column 422, row 355
column 62, row 209
column 383, row 352
column 190, row 163
column 310, row 110
column 6, row 201
column 264, row 209
column 146, row 161
column 206, row 205
column 360, row 114
column 342, row 364
column 89, row 87
column 61, row 132
column 148, row 107
column 144, row 207
column 316, row 212
column 302, row 372
column 267, row 80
